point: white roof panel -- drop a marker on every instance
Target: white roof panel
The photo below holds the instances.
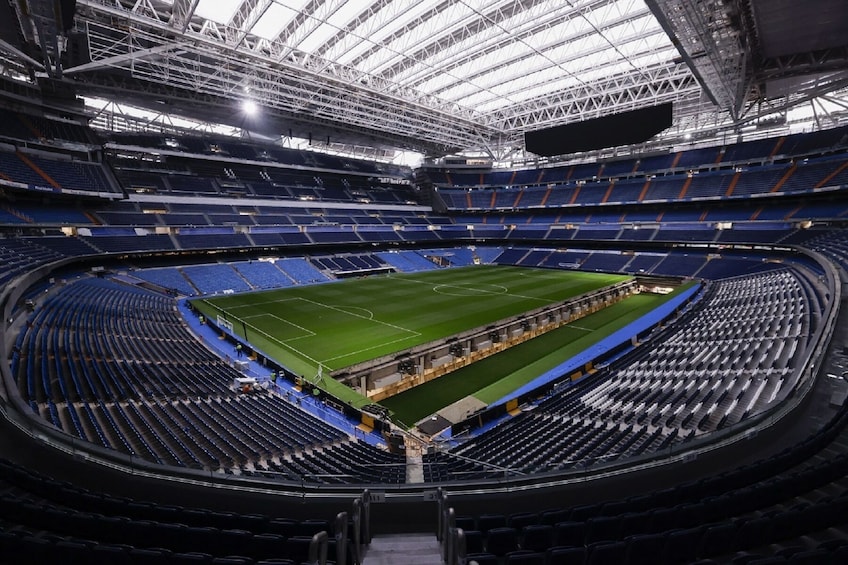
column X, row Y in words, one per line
column 333, row 24
column 419, row 66
column 277, row 17
column 219, row 11
column 461, row 51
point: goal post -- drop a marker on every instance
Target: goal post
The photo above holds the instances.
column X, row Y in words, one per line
column 319, row 376
column 224, row 323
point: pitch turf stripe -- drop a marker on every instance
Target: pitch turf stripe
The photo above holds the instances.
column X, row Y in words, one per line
column 348, row 304
column 377, row 346
column 387, row 324
column 469, row 286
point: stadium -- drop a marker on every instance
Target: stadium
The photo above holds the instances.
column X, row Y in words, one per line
column 497, row 282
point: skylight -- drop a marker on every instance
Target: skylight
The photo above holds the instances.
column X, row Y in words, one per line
column 219, row 11
column 278, row 16
column 330, row 26
column 477, row 53
column 356, row 44
column 445, row 73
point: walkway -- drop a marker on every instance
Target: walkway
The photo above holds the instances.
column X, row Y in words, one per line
column 404, row 549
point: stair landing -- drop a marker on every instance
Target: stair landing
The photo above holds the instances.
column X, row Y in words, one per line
column 405, row 549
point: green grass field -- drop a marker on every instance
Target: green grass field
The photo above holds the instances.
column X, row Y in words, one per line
column 495, row 377
column 342, row 323
column 338, row 324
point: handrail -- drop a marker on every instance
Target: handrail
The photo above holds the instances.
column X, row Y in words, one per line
column 458, row 548
column 356, row 521
column 455, row 546
column 366, row 517
column 448, row 522
column 318, row 549
column 441, row 500
column 340, row 536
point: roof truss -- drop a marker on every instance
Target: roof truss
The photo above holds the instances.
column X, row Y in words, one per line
column 436, row 76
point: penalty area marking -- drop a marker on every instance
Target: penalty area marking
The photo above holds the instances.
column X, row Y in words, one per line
column 306, row 332
column 284, row 344
column 369, row 315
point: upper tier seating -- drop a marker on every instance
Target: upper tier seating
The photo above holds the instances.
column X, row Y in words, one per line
column 211, row 238
column 229, row 147
column 800, row 164
column 45, row 129
column 803, row 145
column 787, row 178
column 123, row 243
column 41, row 171
column 44, row 215
column 227, row 167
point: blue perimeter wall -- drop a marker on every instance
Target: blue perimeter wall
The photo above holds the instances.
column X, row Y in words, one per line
column 609, row 343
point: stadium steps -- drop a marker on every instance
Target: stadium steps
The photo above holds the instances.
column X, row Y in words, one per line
column 247, row 235
column 414, row 468
column 242, row 277
column 695, row 274
column 409, row 549
column 182, row 274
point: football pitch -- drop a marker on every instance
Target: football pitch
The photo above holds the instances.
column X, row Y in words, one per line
column 335, row 325
column 497, row 376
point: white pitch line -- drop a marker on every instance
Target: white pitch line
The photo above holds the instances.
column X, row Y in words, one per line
column 254, row 304
column 337, row 309
column 285, row 345
column 381, row 344
column 369, row 312
column 482, row 291
column 540, row 274
column 301, row 328
column 579, row 328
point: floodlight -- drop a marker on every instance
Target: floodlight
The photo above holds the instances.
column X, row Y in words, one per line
column 250, row 107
